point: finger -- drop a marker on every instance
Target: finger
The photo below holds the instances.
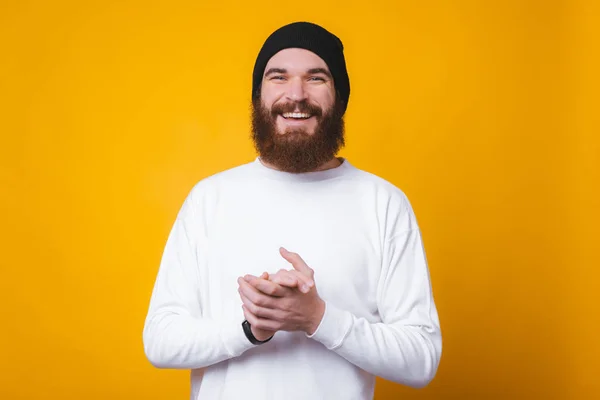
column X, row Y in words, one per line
column 284, row 278
column 249, row 277
column 289, row 279
column 268, row 287
column 254, row 295
column 259, row 312
column 305, row 283
column 301, row 281
column 260, row 323
column 296, row 261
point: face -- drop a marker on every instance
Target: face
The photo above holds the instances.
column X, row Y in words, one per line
column 292, row 77
column 298, row 120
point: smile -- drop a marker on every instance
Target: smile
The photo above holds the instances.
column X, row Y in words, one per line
column 296, row 115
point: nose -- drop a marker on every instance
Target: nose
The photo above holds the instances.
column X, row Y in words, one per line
column 296, row 90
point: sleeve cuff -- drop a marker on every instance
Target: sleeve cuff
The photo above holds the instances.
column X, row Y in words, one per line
column 234, row 339
column 334, row 327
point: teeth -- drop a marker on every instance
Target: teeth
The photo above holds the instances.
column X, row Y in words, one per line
column 296, row 115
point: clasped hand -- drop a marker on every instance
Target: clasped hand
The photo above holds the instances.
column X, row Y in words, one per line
column 285, row 301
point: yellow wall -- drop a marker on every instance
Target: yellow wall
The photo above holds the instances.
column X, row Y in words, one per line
column 483, row 112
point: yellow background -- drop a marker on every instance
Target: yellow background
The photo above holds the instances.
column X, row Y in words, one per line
column 483, row 112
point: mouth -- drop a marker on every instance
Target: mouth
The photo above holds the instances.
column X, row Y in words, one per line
column 296, row 118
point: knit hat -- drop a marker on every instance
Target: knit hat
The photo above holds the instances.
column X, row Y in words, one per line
column 312, row 37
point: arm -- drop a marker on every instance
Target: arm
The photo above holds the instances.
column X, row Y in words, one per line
column 176, row 334
column 405, row 347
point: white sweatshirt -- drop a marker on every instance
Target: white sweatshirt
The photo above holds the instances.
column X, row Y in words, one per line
column 357, row 232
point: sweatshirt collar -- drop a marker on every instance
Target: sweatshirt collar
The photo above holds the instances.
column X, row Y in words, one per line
column 313, row 176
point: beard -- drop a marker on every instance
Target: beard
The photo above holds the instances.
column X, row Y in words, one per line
column 296, row 150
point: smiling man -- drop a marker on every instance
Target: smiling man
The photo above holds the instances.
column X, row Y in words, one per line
column 297, row 116
column 297, row 275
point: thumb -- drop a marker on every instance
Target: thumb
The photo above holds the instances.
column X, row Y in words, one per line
column 296, row 261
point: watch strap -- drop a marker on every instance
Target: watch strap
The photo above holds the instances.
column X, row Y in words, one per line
column 248, row 332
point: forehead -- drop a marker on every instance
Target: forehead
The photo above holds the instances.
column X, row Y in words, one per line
column 298, row 60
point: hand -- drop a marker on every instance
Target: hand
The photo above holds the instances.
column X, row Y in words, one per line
column 260, row 334
column 276, row 304
column 302, row 276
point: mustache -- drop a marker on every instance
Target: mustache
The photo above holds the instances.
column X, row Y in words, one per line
column 302, row 106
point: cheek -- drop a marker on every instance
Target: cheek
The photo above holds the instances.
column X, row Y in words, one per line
column 269, row 95
column 325, row 98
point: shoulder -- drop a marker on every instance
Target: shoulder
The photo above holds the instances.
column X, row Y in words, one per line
column 239, row 173
column 205, row 193
column 393, row 206
column 385, row 190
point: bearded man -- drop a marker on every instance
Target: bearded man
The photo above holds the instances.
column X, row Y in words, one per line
column 296, row 275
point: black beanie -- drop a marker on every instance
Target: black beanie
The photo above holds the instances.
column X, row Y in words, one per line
column 312, row 37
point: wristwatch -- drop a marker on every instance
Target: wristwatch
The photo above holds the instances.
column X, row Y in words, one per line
column 248, row 331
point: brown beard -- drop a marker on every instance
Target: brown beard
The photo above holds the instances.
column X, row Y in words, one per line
column 295, row 150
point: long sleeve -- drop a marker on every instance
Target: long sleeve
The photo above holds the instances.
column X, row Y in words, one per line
column 405, row 347
column 176, row 335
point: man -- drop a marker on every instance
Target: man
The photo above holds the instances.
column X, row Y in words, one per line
column 297, row 275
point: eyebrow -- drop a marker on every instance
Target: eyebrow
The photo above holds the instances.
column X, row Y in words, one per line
column 275, row 71
column 323, row 71
column 311, row 71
